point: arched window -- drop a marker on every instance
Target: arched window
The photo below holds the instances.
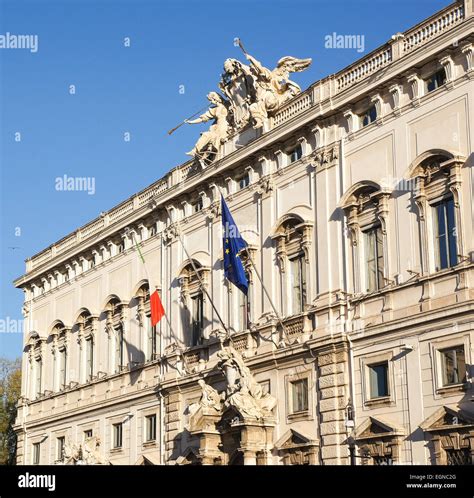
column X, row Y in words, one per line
column 366, row 209
column 293, row 238
column 437, row 175
column 35, row 348
column 86, row 324
column 60, row 352
column 148, row 332
column 192, row 295
column 115, row 329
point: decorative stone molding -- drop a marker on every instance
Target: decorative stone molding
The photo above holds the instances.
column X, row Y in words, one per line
column 448, row 66
column 351, row 120
column 297, row 449
column 451, row 434
column 436, row 173
column 467, row 51
column 237, row 424
column 170, row 234
column 377, row 101
column 213, row 212
column 325, row 157
column 396, row 92
column 285, row 247
column 379, row 441
column 266, row 186
column 318, row 136
column 279, row 159
column 415, row 85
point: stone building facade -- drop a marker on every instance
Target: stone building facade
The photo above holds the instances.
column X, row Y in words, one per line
column 355, row 200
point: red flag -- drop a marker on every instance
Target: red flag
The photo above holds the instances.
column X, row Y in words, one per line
column 157, row 310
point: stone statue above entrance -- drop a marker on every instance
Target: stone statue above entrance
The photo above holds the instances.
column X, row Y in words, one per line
column 237, row 420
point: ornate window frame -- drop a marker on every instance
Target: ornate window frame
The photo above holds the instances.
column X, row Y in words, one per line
column 60, row 344
column 143, row 315
column 449, row 429
column 116, row 318
column 86, row 324
column 366, row 205
column 191, row 287
column 436, row 347
column 379, row 438
column 437, row 176
column 297, row 449
column 293, row 237
column 36, row 347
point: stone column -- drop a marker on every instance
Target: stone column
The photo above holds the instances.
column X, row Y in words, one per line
column 250, row 457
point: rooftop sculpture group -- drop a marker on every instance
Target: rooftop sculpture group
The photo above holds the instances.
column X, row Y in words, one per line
column 251, row 94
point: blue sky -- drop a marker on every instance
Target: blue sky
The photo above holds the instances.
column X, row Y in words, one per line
column 135, row 89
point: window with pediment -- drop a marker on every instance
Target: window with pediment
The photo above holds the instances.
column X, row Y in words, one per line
column 379, row 441
column 366, row 209
column 437, row 194
column 192, row 279
column 148, row 332
column 86, row 338
column 35, row 348
column 115, row 313
column 450, row 435
column 293, row 238
column 240, row 304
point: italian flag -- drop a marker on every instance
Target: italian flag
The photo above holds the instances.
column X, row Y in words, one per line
column 156, row 307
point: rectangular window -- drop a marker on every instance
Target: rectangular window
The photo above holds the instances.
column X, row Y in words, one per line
column 38, row 374
column 36, row 453
column 88, row 434
column 374, row 259
column 150, row 428
column 60, row 443
column 198, row 205
column 299, row 395
column 453, row 366
column 445, row 232
column 436, row 80
column 117, row 435
column 298, row 284
column 369, row 116
column 244, row 181
column 378, row 377
column 295, row 154
column 62, row 368
column 89, row 358
column 118, row 348
column 151, row 340
column 197, row 319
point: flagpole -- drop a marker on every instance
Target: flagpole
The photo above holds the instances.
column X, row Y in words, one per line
column 149, row 282
column 199, row 278
column 261, row 281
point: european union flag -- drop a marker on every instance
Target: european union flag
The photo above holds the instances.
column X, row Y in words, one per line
column 233, row 243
